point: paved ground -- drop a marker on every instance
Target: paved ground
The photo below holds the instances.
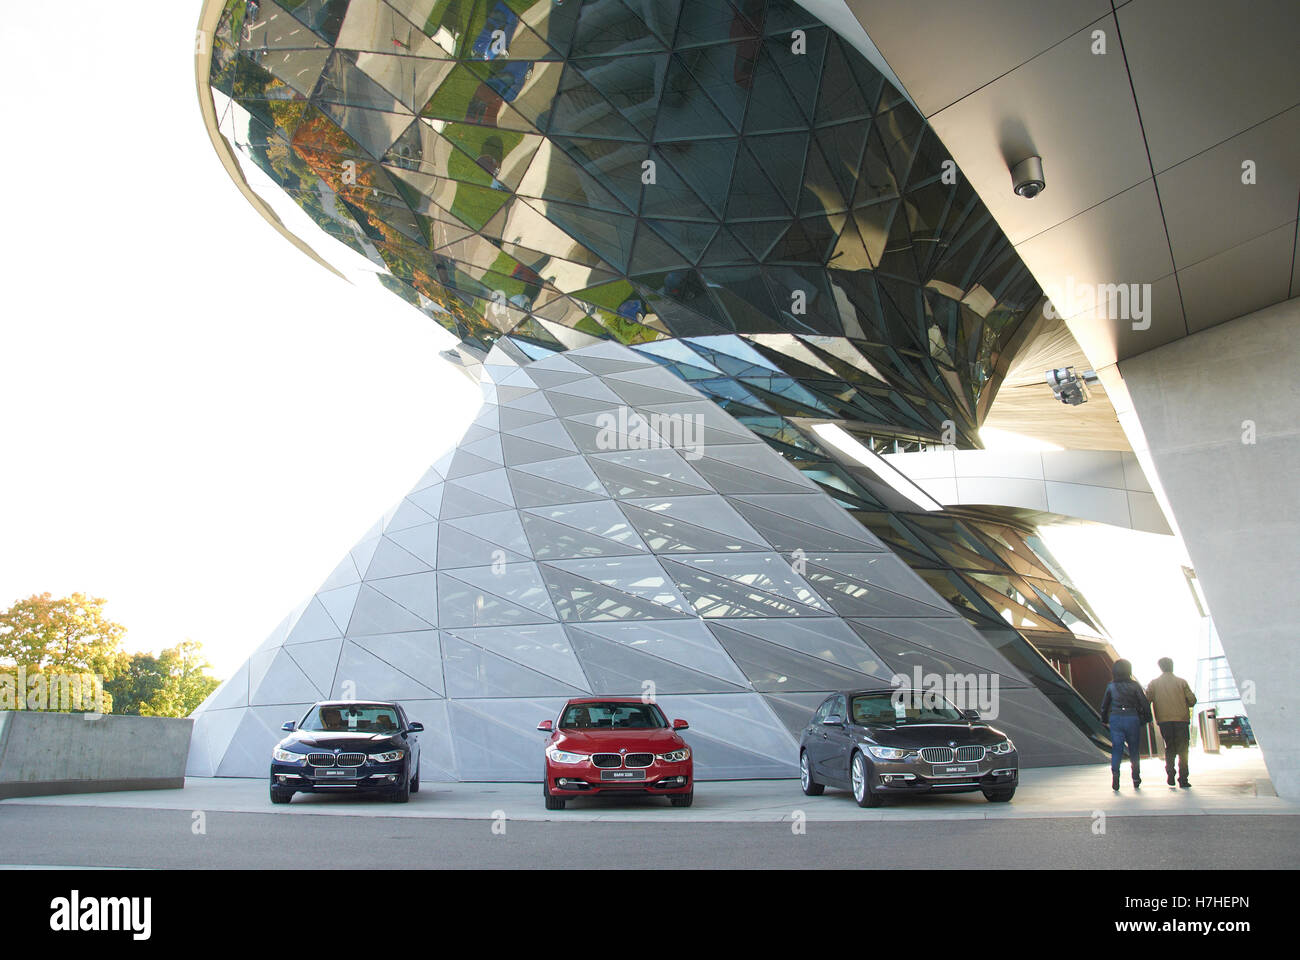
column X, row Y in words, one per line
column 1062, row 817
column 1228, row 783
column 100, row 836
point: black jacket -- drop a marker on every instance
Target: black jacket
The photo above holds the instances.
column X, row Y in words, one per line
column 1125, row 698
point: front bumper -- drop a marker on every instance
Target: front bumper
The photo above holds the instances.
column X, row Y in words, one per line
column 367, row 778
column 583, row 779
column 918, row 776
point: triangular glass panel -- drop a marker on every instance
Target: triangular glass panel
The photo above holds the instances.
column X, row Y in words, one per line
column 615, row 669
column 580, row 110
column 577, row 598
column 613, row 27
column 631, row 82
column 686, row 112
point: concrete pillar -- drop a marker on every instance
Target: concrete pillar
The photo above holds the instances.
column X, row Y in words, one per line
column 1220, row 411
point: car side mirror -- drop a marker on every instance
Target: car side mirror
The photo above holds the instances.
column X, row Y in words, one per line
column 546, row 726
column 834, row 720
column 971, row 714
column 681, row 725
column 415, row 728
column 289, row 725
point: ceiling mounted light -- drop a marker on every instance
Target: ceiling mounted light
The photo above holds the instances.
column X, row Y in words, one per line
column 1069, row 387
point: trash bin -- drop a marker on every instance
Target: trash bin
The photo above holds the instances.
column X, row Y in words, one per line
column 1208, row 725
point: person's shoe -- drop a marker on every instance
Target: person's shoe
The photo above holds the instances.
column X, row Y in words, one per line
column 1137, row 784
column 1114, row 782
column 1170, row 780
column 1184, row 784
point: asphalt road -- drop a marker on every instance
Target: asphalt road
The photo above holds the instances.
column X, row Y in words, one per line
column 114, row 837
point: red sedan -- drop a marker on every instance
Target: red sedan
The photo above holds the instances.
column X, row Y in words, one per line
column 608, row 745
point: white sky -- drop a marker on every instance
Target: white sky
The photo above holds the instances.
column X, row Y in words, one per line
column 196, row 420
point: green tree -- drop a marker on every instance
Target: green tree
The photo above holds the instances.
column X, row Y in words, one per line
column 140, row 680
column 185, row 682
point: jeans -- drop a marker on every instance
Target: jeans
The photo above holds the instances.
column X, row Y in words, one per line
column 1177, row 737
column 1124, row 728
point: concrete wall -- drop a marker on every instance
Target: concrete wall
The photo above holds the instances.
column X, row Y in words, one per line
column 1237, row 503
column 44, row 753
column 1104, row 486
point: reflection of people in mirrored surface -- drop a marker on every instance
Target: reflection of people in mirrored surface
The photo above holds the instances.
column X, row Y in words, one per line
column 490, row 155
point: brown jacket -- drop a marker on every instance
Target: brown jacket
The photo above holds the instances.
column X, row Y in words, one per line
column 1170, row 698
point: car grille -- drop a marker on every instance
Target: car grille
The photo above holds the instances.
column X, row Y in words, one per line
column 618, row 760
column 971, row 754
column 351, row 759
column 321, row 759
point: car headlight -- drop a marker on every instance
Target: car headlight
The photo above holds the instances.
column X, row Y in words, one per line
column 675, row 756
column 1006, row 746
column 889, row 753
column 559, row 756
column 388, row 756
column 284, row 756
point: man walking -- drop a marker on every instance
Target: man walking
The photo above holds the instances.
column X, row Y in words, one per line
column 1171, row 700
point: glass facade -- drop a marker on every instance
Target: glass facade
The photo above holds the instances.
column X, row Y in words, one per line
column 710, row 575
column 727, row 189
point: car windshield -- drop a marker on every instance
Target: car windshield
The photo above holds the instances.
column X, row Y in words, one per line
column 350, row 718
column 896, row 708
column 625, row 716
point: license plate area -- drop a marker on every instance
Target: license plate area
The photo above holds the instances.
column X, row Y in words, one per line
column 622, row 775
column 954, row 769
column 334, row 772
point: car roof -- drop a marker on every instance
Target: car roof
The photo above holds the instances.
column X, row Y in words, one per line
column 355, row 703
column 580, row 700
column 868, row 690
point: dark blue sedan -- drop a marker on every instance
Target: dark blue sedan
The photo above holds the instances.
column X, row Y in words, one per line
column 348, row 746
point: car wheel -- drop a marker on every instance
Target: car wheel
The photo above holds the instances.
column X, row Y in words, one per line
column 415, row 781
column 683, row 800
column 811, row 788
column 1001, row 795
column 403, row 793
column 280, row 796
column 860, row 778
column 552, row 803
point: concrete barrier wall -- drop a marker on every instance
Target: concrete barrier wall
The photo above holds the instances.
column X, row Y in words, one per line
column 45, row 753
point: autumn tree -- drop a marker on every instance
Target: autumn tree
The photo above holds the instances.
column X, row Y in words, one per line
column 62, row 635
column 69, row 634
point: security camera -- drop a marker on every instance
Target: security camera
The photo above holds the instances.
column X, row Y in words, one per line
column 1027, row 178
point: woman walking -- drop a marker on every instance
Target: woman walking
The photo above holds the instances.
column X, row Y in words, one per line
column 1126, row 710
